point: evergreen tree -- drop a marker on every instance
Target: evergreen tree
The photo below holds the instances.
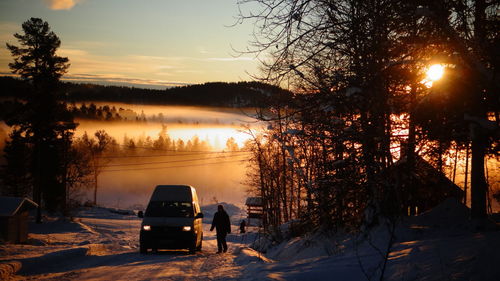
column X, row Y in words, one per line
column 35, row 59
column 42, row 122
column 16, row 175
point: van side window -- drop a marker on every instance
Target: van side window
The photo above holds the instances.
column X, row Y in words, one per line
column 170, row 209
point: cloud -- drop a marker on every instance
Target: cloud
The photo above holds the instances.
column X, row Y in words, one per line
column 7, row 30
column 106, row 79
column 140, row 70
column 110, row 80
column 61, row 4
column 129, row 70
column 231, row 59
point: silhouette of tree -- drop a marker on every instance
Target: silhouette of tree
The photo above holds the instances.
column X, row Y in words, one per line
column 42, row 121
column 462, row 102
column 95, row 148
column 231, row 144
column 356, row 66
column 16, row 176
column 35, row 59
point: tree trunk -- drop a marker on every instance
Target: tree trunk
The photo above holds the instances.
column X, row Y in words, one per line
column 467, row 150
column 95, row 188
column 410, row 155
column 478, row 181
column 37, row 186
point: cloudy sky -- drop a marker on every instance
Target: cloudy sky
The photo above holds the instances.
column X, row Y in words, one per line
column 140, row 42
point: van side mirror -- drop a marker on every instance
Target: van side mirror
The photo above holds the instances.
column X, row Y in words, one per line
column 140, row 214
column 199, row 216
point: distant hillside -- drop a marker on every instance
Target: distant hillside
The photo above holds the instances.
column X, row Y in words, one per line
column 240, row 94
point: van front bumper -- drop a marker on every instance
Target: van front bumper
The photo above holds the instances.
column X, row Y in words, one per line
column 167, row 237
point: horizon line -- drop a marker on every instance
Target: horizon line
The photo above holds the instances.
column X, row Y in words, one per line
column 122, row 82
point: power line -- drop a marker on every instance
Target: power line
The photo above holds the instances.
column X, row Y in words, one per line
column 170, row 167
column 167, row 162
column 183, row 153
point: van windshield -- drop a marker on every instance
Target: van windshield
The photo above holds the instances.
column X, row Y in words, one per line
column 170, row 209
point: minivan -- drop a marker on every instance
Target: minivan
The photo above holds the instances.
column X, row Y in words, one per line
column 173, row 220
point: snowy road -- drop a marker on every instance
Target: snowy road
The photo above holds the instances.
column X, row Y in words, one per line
column 100, row 245
column 166, row 265
column 106, row 248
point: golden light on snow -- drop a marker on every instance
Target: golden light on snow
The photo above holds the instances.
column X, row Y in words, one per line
column 435, row 72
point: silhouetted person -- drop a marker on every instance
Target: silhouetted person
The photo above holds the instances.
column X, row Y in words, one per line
column 243, row 224
column 222, row 226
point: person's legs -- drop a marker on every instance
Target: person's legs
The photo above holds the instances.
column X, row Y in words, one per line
column 224, row 243
column 219, row 243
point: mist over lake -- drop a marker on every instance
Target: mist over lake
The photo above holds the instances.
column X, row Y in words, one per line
column 216, row 173
column 214, row 125
column 217, row 177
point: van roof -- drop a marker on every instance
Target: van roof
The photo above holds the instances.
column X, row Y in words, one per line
column 173, row 193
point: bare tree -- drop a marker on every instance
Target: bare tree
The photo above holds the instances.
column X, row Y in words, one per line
column 95, row 148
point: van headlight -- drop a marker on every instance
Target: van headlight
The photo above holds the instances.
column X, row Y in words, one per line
column 146, row 227
column 186, row 228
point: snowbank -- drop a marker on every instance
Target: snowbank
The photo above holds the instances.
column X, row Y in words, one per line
column 51, row 260
column 55, row 225
column 450, row 213
column 103, row 212
column 246, row 255
column 311, row 246
column 441, row 244
column 8, row 269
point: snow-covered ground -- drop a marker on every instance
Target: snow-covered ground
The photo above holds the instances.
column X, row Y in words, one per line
column 101, row 245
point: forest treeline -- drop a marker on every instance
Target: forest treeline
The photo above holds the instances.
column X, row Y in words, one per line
column 106, row 113
column 89, row 155
column 89, row 111
column 223, row 94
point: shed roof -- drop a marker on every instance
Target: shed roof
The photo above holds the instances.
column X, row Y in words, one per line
column 10, row 206
column 254, row 201
column 427, row 176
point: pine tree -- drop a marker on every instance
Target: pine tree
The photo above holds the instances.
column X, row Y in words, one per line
column 42, row 122
column 16, row 175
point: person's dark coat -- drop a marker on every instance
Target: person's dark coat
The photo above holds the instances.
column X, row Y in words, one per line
column 223, row 226
column 221, row 223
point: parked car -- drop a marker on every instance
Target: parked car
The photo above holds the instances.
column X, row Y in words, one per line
column 173, row 220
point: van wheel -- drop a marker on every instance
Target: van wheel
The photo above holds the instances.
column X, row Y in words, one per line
column 143, row 250
column 192, row 248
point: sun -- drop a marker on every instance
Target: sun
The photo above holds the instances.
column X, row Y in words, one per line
column 435, row 72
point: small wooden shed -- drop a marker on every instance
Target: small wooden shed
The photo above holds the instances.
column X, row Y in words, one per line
column 430, row 187
column 14, row 218
column 255, row 210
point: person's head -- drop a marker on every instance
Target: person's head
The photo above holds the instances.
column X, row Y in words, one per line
column 220, row 208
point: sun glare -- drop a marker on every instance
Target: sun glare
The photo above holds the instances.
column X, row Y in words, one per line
column 435, row 72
